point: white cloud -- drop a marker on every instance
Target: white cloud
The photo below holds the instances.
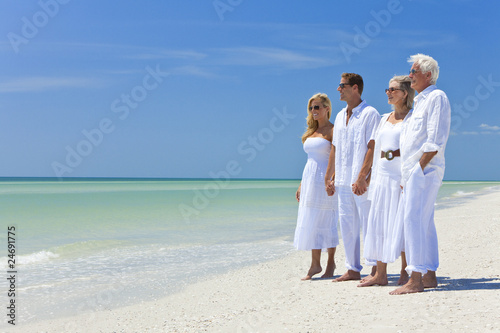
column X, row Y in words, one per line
column 125, row 51
column 41, row 83
column 192, row 71
column 489, row 128
column 485, row 129
column 124, row 71
column 168, row 54
column 423, row 39
column 266, row 56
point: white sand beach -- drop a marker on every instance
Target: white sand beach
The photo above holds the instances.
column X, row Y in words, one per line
column 270, row 297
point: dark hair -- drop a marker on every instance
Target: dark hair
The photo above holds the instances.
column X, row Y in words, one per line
column 353, row 79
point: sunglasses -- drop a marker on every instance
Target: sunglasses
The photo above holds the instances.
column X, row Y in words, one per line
column 316, row 107
column 413, row 71
column 342, row 85
column 391, row 89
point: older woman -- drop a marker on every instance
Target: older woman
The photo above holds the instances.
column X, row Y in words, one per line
column 317, row 215
column 384, row 241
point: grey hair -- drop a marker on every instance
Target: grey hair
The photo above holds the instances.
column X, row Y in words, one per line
column 404, row 82
column 426, row 64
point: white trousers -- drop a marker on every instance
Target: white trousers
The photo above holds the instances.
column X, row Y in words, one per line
column 353, row 216
column 417, row 202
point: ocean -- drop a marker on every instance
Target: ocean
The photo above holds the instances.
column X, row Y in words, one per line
column 84, row 245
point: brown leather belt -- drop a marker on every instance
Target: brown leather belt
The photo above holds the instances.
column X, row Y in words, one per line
column 390, row 154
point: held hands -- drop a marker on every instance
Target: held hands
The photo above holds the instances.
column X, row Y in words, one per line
column 330, row 187
column 360, row 186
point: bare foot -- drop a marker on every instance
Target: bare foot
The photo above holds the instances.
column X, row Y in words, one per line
column 430, row 280
column 367, row 278
column 374, row 281
column 329, row 271
column 349, row 275
column 312, row 271
column 372, row 274
column 409, row 288
column 403, row 278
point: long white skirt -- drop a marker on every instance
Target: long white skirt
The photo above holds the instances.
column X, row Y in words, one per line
column 318, row 213
column 384, row 241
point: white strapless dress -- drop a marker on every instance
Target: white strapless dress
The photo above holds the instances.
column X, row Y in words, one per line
column 318, row 213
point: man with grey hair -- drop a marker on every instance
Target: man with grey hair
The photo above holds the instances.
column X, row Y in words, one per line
column 423, row 141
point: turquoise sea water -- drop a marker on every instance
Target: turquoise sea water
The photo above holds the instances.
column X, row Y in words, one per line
column 93, row 244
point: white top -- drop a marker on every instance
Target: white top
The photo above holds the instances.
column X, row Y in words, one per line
column 351, row 141
column 387, row 137
column 389, row 140
column 318, row 150
column 426, row 131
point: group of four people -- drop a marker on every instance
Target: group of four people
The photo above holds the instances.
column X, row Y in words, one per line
column 377, row 174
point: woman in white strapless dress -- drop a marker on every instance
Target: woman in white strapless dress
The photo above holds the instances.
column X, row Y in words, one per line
column 384, row 235
column 317, row 214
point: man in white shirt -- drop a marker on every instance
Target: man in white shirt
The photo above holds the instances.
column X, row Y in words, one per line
column 349, row 168
column 423, row 142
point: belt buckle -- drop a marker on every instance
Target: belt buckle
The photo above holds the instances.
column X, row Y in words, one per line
column 389, row 155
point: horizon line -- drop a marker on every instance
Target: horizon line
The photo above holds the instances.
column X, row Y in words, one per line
column 178, row 178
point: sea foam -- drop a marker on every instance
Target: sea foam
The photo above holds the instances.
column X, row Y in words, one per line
column 36, row 257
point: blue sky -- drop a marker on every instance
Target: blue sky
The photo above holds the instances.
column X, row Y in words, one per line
column 200, row 89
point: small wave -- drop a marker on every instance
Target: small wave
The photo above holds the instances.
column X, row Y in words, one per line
column 462, row 194
column 85, row 248
column 35, row 287
column 72, row 250
column 36, row 257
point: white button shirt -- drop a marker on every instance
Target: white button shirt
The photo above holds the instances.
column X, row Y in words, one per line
column 426, row 131
column 351, row 141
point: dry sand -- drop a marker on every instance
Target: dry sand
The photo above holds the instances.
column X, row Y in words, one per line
column 270, row 297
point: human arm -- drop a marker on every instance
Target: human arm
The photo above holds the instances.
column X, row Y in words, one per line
column 297, row 194
column 438, row 126
column 426, row 158
column 330, row 173
column 360, row 186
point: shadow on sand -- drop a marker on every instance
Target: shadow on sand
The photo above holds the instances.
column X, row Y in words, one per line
column 446, row 283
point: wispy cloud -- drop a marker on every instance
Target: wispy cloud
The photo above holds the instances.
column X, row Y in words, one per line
column 40, row 83
column 489, row 128
column 484, row 129
column 192, row 71
column 168, row 54
column 411, row 39
column 126, row 51
column 266, row 56
column 123, row 71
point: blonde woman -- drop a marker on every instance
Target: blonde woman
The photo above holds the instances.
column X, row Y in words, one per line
column 317, row 215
